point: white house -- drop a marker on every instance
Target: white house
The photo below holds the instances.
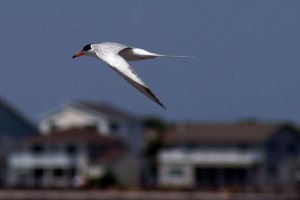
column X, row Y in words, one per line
column 67, row 158
column 240, row 156
column 104, row 118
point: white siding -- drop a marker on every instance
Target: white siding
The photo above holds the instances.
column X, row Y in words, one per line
column 177, row 166
column 211, row 156
column 70, row 118
column 176, row 175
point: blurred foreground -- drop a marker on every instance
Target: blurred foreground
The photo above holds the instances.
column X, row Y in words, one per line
column 139, row 195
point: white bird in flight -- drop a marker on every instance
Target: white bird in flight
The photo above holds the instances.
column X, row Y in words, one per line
column 116, row 56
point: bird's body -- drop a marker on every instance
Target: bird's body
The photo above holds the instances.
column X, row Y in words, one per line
column 117, row 56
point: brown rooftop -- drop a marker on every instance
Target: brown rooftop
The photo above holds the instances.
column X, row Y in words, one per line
column 77, row 135
column 220, row 133
column 110, row 155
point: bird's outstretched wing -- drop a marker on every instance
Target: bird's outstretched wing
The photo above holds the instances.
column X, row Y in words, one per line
column 117, row 63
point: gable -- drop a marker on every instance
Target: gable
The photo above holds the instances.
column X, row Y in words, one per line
column 105, row 118
column 70, row 117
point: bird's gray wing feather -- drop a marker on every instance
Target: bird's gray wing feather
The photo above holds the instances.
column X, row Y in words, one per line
column 118, row 64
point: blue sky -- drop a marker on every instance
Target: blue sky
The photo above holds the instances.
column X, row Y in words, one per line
column 247, row 57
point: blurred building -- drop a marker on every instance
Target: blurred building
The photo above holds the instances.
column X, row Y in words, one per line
column 262, row 157
column 14, row 127
column 106, row 119
column 71, row 158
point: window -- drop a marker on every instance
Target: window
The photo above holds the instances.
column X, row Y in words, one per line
column 71, row 149
column 114, row 127
column 94, row 150
column 37, row 148
column 53, row 127
column 91, row 127
column 38, row 173
column 176, row 172
column 243, row 146
column 58, row 172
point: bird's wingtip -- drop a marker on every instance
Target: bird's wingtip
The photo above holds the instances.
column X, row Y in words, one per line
column 163, row 106
column 160, row 103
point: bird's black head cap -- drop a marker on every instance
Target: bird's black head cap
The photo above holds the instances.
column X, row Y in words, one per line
column 87, row 47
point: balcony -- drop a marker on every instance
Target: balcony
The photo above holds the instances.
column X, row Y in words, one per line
column 45, row 160
column 211, row 157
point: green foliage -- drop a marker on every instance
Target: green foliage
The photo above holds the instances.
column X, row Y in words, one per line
column 292, row 128
column 108, row 179
column 153, row 147
column 155, row 123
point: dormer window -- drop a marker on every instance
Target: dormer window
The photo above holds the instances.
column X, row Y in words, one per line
column 71, row 149
column 91, row 127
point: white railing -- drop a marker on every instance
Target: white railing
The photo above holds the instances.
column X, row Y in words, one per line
column 211, row 156
column 29, row 160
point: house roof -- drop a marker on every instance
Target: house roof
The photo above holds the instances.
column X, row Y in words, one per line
column 109, row 155
column 75, row 135
column 221, row 133
column 107, row 109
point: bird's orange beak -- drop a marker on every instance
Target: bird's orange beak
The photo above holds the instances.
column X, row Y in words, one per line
column 80, row 53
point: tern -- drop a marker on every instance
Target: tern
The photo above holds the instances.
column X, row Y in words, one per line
column 117, row 56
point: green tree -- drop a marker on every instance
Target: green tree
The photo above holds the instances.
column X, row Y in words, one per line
column 154, row 146
column 108, row 179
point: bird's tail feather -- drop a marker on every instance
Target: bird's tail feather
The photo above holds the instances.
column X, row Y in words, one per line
column 178, row 56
